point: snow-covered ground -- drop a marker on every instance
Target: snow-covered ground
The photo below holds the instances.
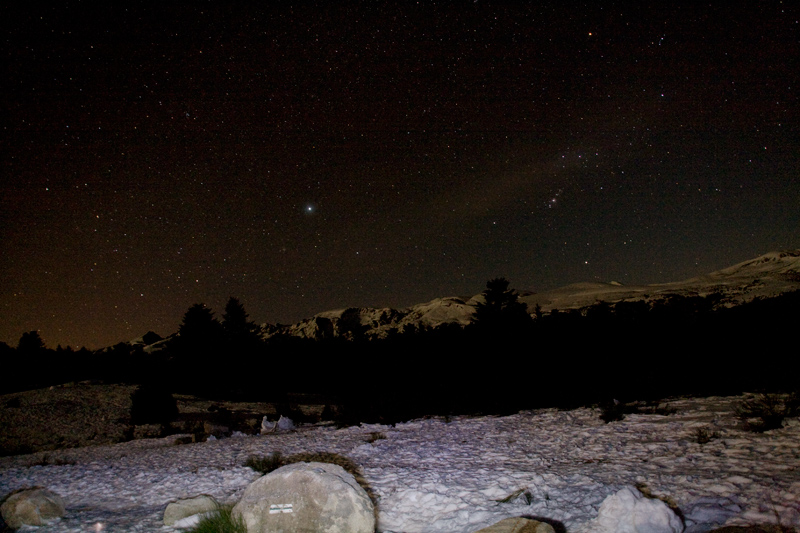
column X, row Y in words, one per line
column 435, row 475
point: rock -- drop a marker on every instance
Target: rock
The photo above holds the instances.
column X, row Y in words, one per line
column 32, row 507
column 628, row 511
column 518, row 525
column 283, row 423
column 181, row 509
column 708, row 511
column 306, row 497
column 267, row 426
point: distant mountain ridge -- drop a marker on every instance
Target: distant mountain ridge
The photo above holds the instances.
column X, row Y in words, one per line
column 372, row 322
column 768, row 275
column 765, row 276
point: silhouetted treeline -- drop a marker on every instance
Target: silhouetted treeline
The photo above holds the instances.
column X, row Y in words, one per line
column 626, row 351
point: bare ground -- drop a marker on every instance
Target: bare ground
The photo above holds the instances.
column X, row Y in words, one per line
column 90, row 414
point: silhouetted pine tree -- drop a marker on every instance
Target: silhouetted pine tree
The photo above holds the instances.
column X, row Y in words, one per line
column 238, row 329
column 199, row 327
column 243, row 347
column 501, row 311
column 197, row 349
column 30, row 343
column 36, row 366
column 500, row 326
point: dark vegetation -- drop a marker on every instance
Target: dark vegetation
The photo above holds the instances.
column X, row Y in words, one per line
column 505, row 361
column 153, row 404
column 704, row 436
column 267, row 463
column 767, row 411
column 222, row 521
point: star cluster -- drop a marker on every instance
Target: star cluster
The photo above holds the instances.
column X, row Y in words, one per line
column 305, row 157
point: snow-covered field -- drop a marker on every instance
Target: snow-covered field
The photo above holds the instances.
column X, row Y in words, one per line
column 434, row 475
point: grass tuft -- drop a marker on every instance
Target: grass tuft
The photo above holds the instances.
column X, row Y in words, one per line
column 266, row 463
column 221, row 522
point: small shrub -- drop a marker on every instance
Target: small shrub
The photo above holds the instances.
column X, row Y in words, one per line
column 767, row 411
column 792, row 403
column 703, row 436
column 295, row 414
column 221, row 522
column 615, row 411
column 152, row 404
column 328, row 414
column 375, row 436
column 221, row 415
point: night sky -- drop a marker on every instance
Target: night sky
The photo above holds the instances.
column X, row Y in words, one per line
column 305, row 158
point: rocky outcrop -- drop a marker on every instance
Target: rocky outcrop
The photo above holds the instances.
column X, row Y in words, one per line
column 356, row 322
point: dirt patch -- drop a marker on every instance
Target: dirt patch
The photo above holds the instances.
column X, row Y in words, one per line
column 64, row 416
column 89, row 414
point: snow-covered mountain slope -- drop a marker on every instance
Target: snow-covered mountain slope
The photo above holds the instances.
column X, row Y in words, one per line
column 769, row 275
column 356, row 321
column 765, row 276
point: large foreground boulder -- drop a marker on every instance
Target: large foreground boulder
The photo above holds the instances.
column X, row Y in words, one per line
column 306, row 497
column 32, row 507
column 518, row 525
column 629, row 511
